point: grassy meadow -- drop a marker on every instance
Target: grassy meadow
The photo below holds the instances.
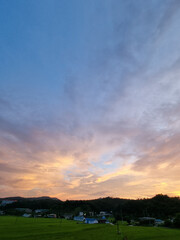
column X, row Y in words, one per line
column 18, row 228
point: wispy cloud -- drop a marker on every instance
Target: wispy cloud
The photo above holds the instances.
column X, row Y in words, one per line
column 107, row 122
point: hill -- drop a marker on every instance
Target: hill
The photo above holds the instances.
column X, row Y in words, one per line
column 161, row 206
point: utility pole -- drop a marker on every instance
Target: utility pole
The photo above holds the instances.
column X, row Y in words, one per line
column 121, row 216
column 118, row 230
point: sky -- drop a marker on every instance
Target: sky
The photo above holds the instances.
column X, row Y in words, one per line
column 89, row 98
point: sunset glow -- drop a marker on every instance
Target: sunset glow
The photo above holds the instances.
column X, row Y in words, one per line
column 90, row 98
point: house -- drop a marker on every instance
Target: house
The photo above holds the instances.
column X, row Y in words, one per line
column 147, row 221
column 26, row 210
column 52, row 215
column 91, row 220
column 6, row 202
column 91, row 214
column 79, row 218
column 159, row 222
column 102, row 213
column 26, row 215
column 41, row 210
column 68, row 216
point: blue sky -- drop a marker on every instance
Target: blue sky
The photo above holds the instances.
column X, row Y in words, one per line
column 89, row 98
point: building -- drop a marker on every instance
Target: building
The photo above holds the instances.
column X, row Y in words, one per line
column 26, row 215
column 68, row 216
column 91, row 220
column 52, row 215
column 79, row 218
column 159, row 222
column 6, row 202
column 41, row 210
column 103, row 213
column 26, row 210
column 147, row 221
column 91, row 214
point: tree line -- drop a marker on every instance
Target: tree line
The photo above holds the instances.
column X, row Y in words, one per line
column 160, row 206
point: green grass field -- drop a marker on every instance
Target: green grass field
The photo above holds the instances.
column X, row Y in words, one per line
column 13, row 228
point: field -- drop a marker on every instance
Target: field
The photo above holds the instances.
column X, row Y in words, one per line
column 18, row 228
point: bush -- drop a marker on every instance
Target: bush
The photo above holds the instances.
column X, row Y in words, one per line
column 176, row 221
column 168, row 223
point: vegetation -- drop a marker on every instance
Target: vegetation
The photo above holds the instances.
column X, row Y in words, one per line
column 176, row 222
column 160, row 206
column 12, row 228
column 18, row 228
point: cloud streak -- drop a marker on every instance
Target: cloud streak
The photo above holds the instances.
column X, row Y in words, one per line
column 106, row 121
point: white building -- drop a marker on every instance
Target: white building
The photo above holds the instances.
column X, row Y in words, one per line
column 6, row 202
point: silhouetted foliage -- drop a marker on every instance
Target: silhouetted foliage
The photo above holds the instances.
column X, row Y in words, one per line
column 160, row 206
column 176, row 221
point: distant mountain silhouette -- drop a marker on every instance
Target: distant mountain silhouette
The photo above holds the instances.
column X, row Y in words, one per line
column 161, row 206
